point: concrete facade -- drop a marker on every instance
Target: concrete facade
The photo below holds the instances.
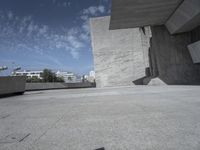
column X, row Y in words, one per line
column 170, row 58
column 120, row 56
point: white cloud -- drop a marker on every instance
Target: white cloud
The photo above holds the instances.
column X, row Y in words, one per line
column 84, row 17
column 75, row 54
column 30, row 28
column 43, row 30
column 10, row 15
column 54, row 1
column 43, row 39
column 94, row 10
column 66, row 4
column 101, row 9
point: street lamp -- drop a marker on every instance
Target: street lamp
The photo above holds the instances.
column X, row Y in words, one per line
column 2, row 68
column 16, row 69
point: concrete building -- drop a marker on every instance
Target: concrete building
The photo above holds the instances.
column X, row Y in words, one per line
column 91, row 77
column 175, row 27
column 92, row 74
column 29, row 74
column 120, row 56
column 171, row 54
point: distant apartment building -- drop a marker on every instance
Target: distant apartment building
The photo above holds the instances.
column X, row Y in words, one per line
column 91, row 77
column 92, row 74
column 29, row 74
column 69, row 77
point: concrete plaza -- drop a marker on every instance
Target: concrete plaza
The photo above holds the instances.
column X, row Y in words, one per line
column 126, row 118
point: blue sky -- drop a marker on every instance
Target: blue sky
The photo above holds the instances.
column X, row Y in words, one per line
column 54, row 34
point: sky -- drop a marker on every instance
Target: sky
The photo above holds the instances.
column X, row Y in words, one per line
column 53, row 34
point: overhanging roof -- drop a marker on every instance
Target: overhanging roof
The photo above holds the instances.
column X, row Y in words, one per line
column 138, row 13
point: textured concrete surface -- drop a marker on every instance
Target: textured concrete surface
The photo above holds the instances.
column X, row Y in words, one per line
column 12, row 85
column 120, row 56
column 139, row 13
column 128, row 118
column 170, row 58
column 156, row 82
column 195, row 34
column 185, row 18
column 194, row 50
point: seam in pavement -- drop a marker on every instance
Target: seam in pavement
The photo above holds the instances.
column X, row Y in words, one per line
column 45, row 132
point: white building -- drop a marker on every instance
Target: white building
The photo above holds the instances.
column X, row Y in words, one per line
column 91, row 77
column 68, row 76
column 92, row 74
column 29, row 74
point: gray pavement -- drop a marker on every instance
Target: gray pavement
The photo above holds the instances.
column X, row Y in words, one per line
column 126, row 118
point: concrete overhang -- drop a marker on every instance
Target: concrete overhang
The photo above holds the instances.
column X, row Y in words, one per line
column 139, row 13
column 178, row 15
column 185, row 18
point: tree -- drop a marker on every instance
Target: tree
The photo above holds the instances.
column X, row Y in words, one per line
column 33, row 80
column 60, row 79
column 49, row 76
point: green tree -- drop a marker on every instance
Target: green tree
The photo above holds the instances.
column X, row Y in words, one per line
column 33, row 80
column 49, row 76
column 60, row 79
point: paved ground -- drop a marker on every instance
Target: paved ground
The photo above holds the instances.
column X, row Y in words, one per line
column 137, row 118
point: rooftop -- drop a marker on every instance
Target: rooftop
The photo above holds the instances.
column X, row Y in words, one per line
column 115, row 118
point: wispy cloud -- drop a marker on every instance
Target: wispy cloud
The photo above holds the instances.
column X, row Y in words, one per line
column 94, row 10
column 24, row 33
column 66, row 3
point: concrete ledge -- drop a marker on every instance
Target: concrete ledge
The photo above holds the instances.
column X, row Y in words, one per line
column 185, row 18
column 194, row 49
column 140, row 13
column 51, row 86
column 12, row 85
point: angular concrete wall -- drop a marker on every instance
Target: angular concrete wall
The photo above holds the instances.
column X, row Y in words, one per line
column 12, row 85
column 170, row 57
column 194, row 49
column 120, row 56
column 185, row 18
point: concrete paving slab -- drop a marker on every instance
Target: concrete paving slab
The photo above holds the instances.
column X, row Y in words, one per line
column 123, row 118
